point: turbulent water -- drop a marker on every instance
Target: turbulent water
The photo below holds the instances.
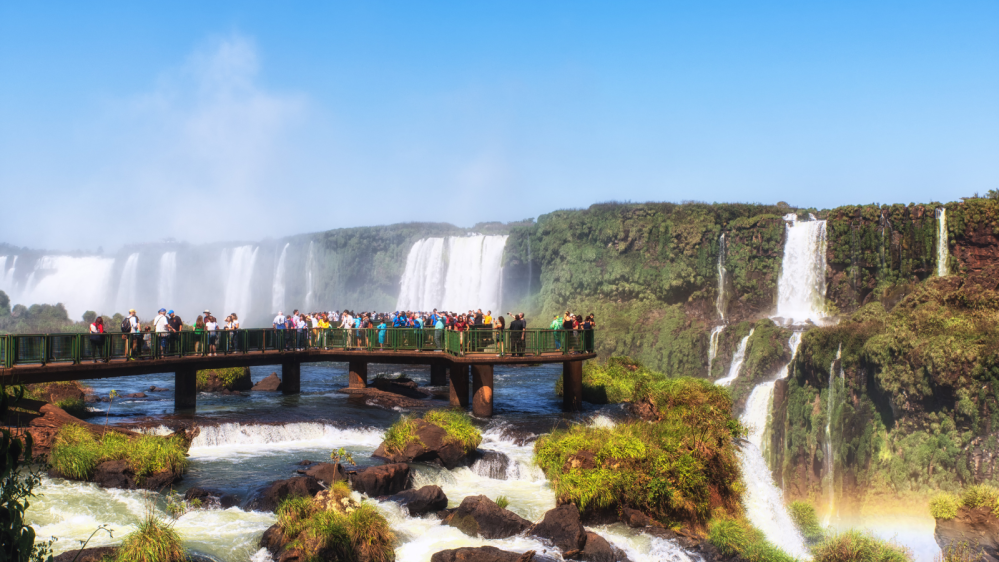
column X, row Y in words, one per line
column 713, row 345
column 737, row 359
column 248, row 441
column 801, row 288
column 942, row 251
column 455, row 273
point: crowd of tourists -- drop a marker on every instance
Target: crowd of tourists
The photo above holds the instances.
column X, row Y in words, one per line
column 473, row 330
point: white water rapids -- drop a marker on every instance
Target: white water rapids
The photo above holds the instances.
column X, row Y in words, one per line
column 737, row 360
column 942, row 251
column 801, row 289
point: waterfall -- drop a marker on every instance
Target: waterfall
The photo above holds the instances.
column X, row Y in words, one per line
column 763, row 500
column 942, row 253
column 455, row 273
column 713, row 346
column 309, row 284
column 737, row 360
column 128, row 287
column 168, row 278
column 278, row 290
column 79, row 283
column 237, row 268
column 830, row 465
column 530, row 267
column 720, row 301
column 6, row 275
column 801, row 289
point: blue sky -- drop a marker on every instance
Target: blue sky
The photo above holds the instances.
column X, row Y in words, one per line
column 241, row 120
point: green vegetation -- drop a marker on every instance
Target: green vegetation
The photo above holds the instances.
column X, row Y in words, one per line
column 227, row 377
column 945, row 506
column 153, row 541
column 611, row 382
column 855, row 546
column 737, row 537
column 77, row 451
column 456, row 424
column 503, row 502
column 961, row 552
column 335, row 526
column 804, row 517
column 677, row 468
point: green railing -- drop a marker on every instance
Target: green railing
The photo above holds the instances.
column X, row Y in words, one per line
column 44, row 349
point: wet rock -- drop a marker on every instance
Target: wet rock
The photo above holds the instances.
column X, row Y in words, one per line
column 491, row 464
column 305, row 463
column 134, row 395
column 480, row 516
column 58, row 391
column 117, row 474
column 427, row 499
column 429, row 447
column 403, row 386
column 384, row 480
column 977, row 527
column 634, row 518
column 581, row 460
column 562, row 527
column 210, row 497
column 97, row 554
column 371, row 396
column 268, row 497
column 158, row 389
column 483, row 554
column 210, row 381
column 597, row 549
column 270, row 383
column 327, row 473
column 274, row 539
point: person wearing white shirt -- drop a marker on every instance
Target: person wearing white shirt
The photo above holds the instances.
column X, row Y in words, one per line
column 211, row 326
column 161, row 325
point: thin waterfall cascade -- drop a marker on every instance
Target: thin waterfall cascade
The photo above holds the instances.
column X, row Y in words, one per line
column 168, row 278
column 455, row 273
column 278, row 287
column 801, row 288
column 7, row 279
column 310, row 287
column 80, row 283
column 530, row 267
column 764, row 501
column 830, row 465
column 737, row 359
column 237, row 269
column 713, row 346
column 720, row 301
column 128, row 286
column 943, row 255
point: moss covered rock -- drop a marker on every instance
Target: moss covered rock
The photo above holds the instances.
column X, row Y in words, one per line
column 226, row 378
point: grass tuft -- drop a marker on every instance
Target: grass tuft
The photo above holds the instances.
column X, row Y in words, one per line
column 804, row 517
column 503, row 502
column 76, row 452
column 352, row 533
column 400, row 435
column 981, row 495
column 153, row 541
column 856, row 546
column 458, row 426
column 944, row 506
column 736, row 537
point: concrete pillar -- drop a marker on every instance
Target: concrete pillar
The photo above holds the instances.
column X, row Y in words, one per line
column 572, row 386
column 438, row 374
column 482, row 390
column 185, row 389
column 459, row 386
column 358, row 374
column 291, row 377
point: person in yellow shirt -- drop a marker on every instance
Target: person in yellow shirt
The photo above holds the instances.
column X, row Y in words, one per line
column 487, row 320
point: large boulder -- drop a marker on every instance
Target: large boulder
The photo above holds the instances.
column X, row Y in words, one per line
column 482, row 554
column 96, row 554
column 634, row 518
column 326, row 472
column 599, row 550
column 210, row 497
column 268, row 497
column 117, row 474
column 230, row 378
column 562, row 527
column 429, row 446
column 270, row 383
column 428, row 499
column 480, row 516
column 977, row 527
column 384, row 480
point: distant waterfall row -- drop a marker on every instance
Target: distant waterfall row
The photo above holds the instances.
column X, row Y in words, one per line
column 456, row 273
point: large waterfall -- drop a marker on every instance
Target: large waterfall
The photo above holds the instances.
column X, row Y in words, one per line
column 801, row 289
column 764, row 501
column 237, row 266
column 737, row 360
column 128, row 287
column 168, row 278
column 278, row 287
column 79, row 283
column 455, row 273
column 942, row 252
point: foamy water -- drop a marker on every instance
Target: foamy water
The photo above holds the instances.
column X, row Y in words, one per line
column 234, row 439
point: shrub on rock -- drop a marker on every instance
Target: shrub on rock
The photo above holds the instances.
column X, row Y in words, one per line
column 226, row 378
column 153, row 541
column 445, row 437
column 855, row 545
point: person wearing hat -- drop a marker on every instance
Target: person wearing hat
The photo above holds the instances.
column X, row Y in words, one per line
column 176, row 327
column 161, row 325
column 133, row 328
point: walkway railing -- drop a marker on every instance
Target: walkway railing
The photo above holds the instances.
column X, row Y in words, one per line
column 42, row 349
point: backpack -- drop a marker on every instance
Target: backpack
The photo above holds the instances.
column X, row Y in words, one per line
column 126, row 325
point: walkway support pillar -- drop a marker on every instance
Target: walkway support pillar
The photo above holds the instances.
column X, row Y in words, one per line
column 185, row 393
column 291, row 377
column 459, row 386
column 358, row 374
column 438, row 374
column 572, row 386
column 482, row 390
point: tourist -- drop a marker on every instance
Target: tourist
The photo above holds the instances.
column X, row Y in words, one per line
column 234, row 337
column 228, row 335
column 290, row 325
column 176, row 326
column 211, row 326
column 499, row 325
column 439, row 331
column 517, row 334
column 162, row 326
column 382, row 329
column 588, row 326
column 279, row 336
column 199, row 331
column 133, row 330
column 97, row 339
